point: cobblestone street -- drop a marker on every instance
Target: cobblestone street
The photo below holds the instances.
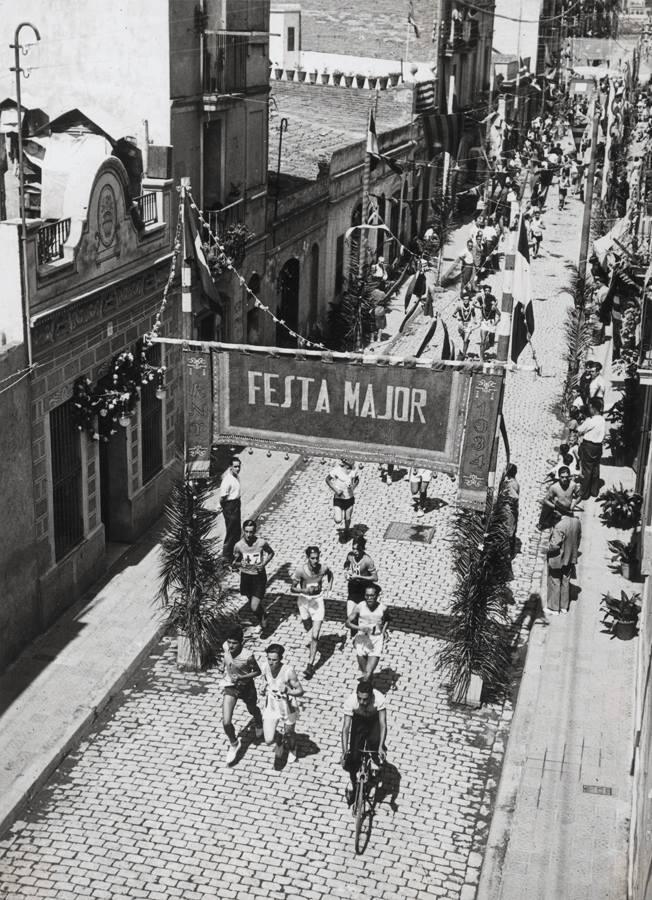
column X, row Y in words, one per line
column 147, row 808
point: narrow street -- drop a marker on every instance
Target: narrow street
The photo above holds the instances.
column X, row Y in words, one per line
column 147, row 808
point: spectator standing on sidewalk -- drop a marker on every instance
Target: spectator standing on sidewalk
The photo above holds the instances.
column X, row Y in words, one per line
column 343, row 480
column 465, row 314
column 591, row 432
column 419, row 481
column 240, row 669
column 562, row 557
column 231, row 503
column 380, row 314
column 512, row 492
column 251, row 555
column 561, row 498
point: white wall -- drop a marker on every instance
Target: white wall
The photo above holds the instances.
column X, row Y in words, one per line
column 109, row 59
column 11, row 312
column 506, row 32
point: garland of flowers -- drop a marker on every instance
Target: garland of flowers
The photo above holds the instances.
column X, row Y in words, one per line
column 99, row 409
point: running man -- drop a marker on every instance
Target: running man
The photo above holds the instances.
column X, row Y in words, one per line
column 370, row 619
column 360, row 571
column 419, row 481
column 240, row 669
column 465, row 314
column 281, row 706
column 312, row 581
column 365, row 718
column 343, row 480
column 251, row 554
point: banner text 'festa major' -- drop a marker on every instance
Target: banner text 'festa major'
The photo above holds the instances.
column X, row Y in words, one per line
column 323, row 405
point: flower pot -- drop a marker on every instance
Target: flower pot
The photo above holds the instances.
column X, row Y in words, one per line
column 301, row 75
column 313, row 77
column 289, row 74
column 382, row 82
column 393, row 78
column 325, row 77
column 348, row 80
column 624, row 631
column 337, row 78
column 373, row 81
column 360, row 80
column 278, row 73
column 188, row 660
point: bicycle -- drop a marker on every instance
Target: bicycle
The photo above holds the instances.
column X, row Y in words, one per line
column 365, row 780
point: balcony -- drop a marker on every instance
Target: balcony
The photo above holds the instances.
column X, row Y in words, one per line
column 50, row 241
column 146, row 207
column 225, row 64
column 645, row 357
column 221, row 219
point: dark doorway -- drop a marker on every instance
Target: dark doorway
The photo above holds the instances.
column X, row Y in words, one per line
column 288, row 309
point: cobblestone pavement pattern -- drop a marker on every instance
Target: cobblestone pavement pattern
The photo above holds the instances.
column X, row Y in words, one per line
column 146, row 808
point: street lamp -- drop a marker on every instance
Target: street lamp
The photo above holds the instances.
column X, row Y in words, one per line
column 17, row 47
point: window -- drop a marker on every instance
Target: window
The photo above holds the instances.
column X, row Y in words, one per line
column 339, row 264
column 151, row 422
column 66, row 480
column 290, row 39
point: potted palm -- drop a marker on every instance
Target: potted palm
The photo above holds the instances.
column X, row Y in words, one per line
column 191, row 575
column 621, row 508
column 621, row 614
column 625, row 556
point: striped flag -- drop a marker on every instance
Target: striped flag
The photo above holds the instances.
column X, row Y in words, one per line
column 523, row 315
column 195, row 253
column 373, row 151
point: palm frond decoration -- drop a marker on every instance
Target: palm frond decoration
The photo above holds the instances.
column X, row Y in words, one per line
column 577, row 332
column 478, row 634
column 351, row 318
column 192, row 570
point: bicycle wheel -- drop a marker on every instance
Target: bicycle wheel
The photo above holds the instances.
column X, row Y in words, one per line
column 358, row 810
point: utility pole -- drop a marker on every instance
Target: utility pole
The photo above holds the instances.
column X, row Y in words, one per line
column 186, row 273
column 588, row 197
column 17, row 47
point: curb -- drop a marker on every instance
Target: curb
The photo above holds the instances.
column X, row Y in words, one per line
column 58, row 753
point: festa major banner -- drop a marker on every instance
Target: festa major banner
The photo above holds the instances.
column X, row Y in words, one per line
column 443, row 418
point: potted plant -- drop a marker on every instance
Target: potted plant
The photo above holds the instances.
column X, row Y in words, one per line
column 278, row 71
column 615, row 442
column 313, row 76
column 621, row 614
column 325, row 76
column 337, row 77
column 289, row 74
column 394, row 78
column 301, row 73
column 373, row 81
column 191, row 574
column 348, row 79
column 360, row 80
column 621, row 508
column 625, row 556
column 382, row 82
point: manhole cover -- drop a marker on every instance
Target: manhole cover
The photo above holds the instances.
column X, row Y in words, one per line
column 405, row 531
column 597, row 789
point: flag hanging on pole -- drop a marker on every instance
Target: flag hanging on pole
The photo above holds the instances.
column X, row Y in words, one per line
column 374, row 153
column 194, row 251
column 448, row 348
column 523, row 316
column 410, row 19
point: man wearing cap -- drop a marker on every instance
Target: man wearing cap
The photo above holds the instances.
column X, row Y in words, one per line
column 343, row 480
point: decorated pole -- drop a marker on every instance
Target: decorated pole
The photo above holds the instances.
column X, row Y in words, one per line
column 588, row 197
column 186, row 274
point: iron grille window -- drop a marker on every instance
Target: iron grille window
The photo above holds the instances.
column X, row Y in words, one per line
column 66, row 480
column 151, row 422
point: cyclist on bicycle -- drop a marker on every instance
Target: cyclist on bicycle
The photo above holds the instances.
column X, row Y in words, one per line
column 365, row 719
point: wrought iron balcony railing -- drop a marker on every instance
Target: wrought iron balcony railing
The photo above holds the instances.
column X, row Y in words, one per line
column 51, row 238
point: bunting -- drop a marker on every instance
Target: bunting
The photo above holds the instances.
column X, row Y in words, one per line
column 375, row 156
column 195, row 253
column 523, row 317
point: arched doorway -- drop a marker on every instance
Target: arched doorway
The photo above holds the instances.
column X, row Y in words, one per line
column 288, row 307
column 254, row 315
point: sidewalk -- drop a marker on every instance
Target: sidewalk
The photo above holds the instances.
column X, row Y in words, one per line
column 560, row 824
column 62, row 681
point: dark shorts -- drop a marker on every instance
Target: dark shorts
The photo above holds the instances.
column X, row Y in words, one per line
column 253, row 585
column 245, row 691
column 343, row 502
